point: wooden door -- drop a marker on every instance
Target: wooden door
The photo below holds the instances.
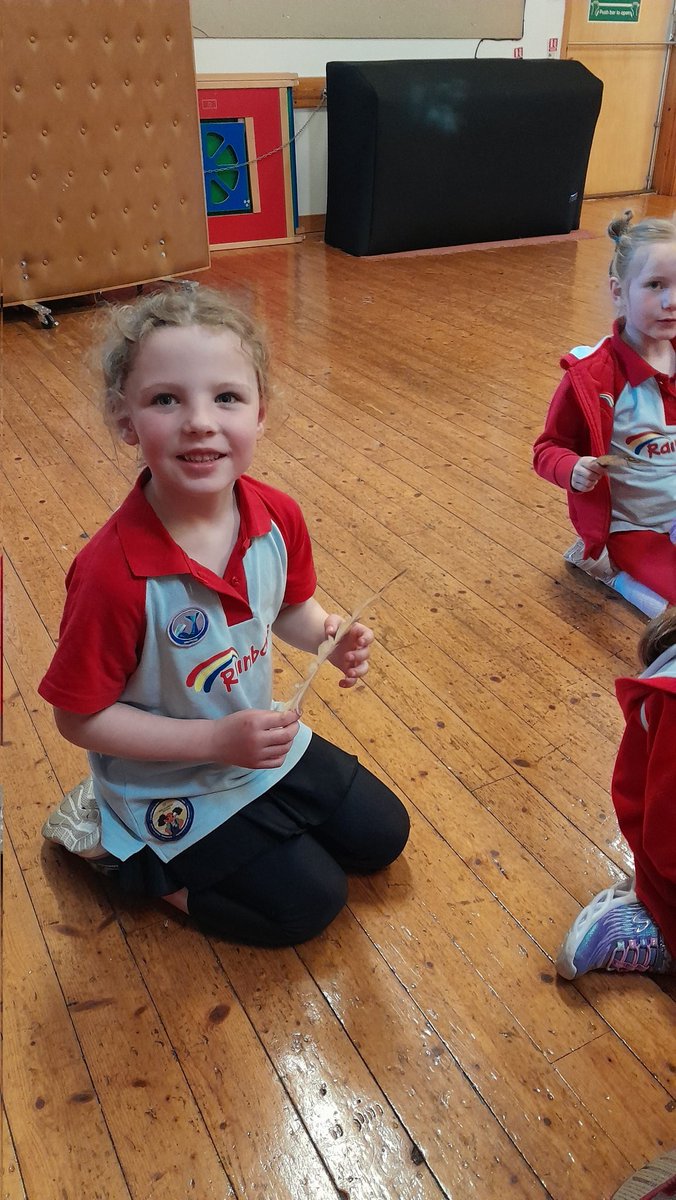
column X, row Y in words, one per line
column 630, row 58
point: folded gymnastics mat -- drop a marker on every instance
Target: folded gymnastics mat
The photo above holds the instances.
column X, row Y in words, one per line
column 446, row 152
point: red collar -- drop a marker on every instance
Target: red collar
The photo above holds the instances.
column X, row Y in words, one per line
column 151, row 551
column 635, row 369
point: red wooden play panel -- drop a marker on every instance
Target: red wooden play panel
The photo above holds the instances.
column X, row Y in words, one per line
column 247, row 125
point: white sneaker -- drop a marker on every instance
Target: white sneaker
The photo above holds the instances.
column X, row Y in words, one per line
column 76, row 823
column 599, row 568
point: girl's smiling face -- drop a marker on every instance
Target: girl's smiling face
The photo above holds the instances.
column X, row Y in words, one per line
column 647, row 296
column 191, row 402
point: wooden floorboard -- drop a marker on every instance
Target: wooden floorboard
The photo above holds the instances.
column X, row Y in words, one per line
column 422, row 1047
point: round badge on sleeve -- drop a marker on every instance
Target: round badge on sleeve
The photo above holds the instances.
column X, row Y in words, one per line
column 170, row 819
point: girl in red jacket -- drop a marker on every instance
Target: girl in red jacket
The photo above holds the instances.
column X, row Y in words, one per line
column 610, row 434
column 632, row 926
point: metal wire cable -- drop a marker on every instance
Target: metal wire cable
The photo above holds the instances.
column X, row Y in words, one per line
column 259, row 157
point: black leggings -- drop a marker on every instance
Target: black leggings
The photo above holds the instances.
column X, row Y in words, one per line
column 292, row 892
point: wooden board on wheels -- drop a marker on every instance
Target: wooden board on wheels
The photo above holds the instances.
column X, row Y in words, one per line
column 101, row 174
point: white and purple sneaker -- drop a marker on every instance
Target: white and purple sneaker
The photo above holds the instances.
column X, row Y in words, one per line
column 614, row 933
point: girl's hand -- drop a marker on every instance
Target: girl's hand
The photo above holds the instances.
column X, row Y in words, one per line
column 351, row 654
column 586, row 474
column 255, row 738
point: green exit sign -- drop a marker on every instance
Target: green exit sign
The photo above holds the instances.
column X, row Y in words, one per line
column 614, row 10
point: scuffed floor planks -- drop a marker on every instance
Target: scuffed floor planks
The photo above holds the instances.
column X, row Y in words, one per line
column 422, row 1047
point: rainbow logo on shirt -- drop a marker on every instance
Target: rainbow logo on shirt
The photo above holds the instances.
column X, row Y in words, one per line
column 655, row 443
column 638, row 441
column 203, row 677
column 228, row 665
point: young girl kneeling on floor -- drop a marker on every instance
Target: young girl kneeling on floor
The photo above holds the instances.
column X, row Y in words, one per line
column 618, row 399
column 632, row 926
column 209, row 797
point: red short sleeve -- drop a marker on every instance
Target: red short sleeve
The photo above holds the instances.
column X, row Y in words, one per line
column 102, row 629
column 301, row 577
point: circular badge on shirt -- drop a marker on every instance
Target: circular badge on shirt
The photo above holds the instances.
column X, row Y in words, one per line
column 170, row 819
column 188, row 627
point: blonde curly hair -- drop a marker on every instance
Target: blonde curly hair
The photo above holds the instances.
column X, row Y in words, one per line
column 126, row 325
column 629, row 239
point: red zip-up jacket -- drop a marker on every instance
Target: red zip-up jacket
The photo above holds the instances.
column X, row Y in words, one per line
column 644, row 787
column 580, row 422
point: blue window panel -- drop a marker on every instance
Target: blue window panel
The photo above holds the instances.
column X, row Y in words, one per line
column 227, row 184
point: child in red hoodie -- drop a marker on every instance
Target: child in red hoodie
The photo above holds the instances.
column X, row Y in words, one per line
column 610, row 434
column 632, row 926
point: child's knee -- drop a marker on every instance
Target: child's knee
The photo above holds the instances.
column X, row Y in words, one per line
column 395, row 833
column 297, row 907
column 317, row 900
column 383, row 836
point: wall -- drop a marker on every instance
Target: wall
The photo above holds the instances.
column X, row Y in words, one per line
column 543, row 20
column 354, row 19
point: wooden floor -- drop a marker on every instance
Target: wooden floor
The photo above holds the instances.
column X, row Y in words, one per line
column 423, row 1046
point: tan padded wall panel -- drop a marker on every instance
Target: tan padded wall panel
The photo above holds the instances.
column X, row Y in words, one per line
column 102, row 181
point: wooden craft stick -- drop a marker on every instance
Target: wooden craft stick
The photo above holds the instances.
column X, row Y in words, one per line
column 328, row 646
column 618, row 460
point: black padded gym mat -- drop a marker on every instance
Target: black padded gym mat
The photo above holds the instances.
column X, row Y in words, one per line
column 446, row 152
